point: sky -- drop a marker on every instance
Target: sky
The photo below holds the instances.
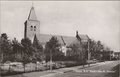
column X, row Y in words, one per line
column 100, row 20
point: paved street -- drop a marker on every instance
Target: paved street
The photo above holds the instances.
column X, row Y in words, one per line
column 103, row 69
column 107, row 69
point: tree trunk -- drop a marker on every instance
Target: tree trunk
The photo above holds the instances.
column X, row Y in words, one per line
column 9, row 67
column 24, row 67
column 36, row 67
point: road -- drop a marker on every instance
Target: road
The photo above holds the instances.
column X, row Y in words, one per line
column 103, row 69
column 107, row 69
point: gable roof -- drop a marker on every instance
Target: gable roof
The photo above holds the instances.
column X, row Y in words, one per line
column 84, row 38
column 69, row 40
column 63, row 40
column 32, row 15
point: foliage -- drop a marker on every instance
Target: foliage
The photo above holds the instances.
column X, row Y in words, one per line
column 27, row 49
column 52, row 48
column 4, row 36
column 17, row 50
column 24, row 52
column 76, row 53
column 99, row 51
column 6, row 48
column 96, row 48
column 38, row 50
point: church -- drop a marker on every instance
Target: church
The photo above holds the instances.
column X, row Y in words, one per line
column 32, row 29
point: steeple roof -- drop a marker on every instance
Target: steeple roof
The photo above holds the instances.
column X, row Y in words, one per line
column 32, row 15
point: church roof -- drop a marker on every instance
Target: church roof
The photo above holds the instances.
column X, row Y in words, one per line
column 32, row 15
column 69, row 40
column 64, row 40
column 84, row 37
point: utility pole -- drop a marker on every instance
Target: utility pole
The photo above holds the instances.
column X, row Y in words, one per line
column 50, row 60
column 88, row 51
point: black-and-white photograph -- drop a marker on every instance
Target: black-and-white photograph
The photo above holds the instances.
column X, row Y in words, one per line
column 59, row 38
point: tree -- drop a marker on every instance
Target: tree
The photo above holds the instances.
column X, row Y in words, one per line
column 4, row 36
column 27, row 51
column 85, row 50
column 53, row 46
column 107, row 54
column 17, row 50
column 99, row 49
column 38, row 50
column 96, row 49
column 77, row 52
column 6, row 48
column 93, row 49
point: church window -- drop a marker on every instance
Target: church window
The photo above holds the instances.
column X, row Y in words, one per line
column 31, row 28
column 34, row 28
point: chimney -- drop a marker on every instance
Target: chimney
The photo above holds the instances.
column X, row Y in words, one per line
column 76, row 33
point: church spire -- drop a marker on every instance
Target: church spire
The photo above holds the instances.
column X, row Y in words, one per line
column 32, row 15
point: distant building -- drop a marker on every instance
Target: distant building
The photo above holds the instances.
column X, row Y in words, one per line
column 117, row 55
column 32, row 29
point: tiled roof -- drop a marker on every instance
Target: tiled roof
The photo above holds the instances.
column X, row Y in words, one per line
column 69, row 40
column 83, row 37
column 63, row 40
column 43, row 38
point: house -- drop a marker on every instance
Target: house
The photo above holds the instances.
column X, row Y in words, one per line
column 32, row 29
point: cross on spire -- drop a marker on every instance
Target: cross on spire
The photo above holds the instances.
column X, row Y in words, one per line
column 32, row 4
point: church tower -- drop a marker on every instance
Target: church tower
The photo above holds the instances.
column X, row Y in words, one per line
column 32, row 25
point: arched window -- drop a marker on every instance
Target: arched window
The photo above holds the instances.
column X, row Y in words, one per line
column 34, row 28
column 31, row 28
